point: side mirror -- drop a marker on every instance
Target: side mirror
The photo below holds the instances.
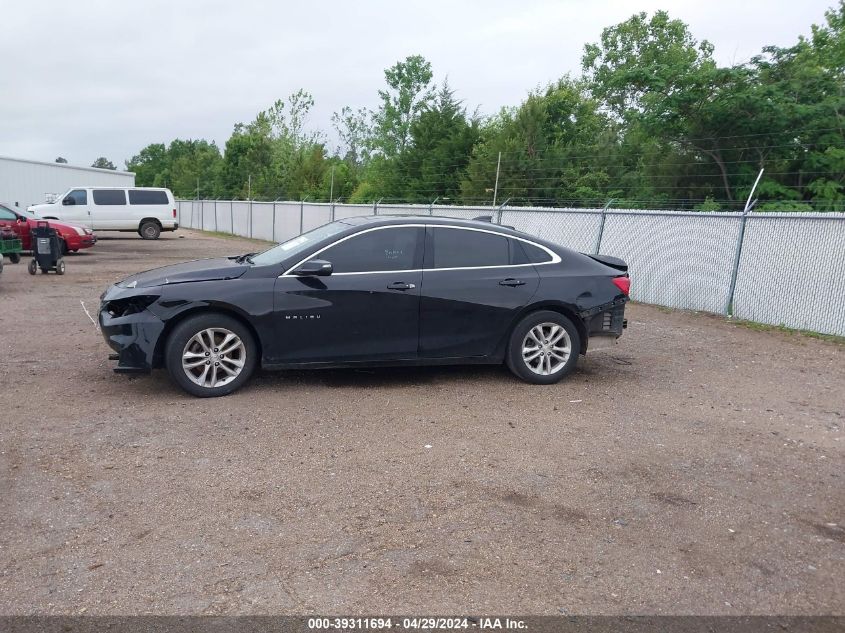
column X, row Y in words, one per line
column 314, row 268
column 67, row 202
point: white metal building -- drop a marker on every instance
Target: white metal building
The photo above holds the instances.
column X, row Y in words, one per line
column 26, row 182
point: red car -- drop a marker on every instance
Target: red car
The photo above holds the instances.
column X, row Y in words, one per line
column 20, row 222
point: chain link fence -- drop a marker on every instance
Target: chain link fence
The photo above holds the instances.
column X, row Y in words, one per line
column 774, row 268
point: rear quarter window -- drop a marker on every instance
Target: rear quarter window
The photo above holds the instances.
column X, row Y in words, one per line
column 142, row 196
column 534, row 254
column 109, row 196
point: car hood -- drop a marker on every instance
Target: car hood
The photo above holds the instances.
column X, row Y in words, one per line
column 198, row 270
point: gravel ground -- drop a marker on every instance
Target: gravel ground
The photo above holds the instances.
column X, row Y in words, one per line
column 696, row 468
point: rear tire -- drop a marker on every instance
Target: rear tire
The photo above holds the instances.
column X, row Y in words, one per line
column 149, row 230
column 543, row 348
column 33, row 267
column 60, row 267
column 211, row 355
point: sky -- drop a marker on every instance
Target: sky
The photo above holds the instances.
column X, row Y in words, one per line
column 88, row 78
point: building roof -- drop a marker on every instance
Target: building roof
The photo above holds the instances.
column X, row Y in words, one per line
column 67, row 165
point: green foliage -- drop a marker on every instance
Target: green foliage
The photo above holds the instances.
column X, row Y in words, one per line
column 408, row 93
column 652, row 122
column 188, row 168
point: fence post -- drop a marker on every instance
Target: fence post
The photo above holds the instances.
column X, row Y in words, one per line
column 215, row 215
column 431, row 205
column 202, row 215
column 499, row 211
column 250, row 218
column 332, row 210
column 274, row 221
column 729, row 306
column 301, row 215
column 231, row 217
column 601, row 225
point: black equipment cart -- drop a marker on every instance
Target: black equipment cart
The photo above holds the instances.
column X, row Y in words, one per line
column 46, row 250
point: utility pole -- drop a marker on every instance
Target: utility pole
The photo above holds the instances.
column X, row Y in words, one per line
column 198, row 188
column 496, row 186
column 249, row 188
column 331, row 190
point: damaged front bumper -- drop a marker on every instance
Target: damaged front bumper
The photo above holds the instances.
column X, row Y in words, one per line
column 131, row 331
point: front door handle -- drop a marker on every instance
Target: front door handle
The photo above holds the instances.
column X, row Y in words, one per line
column 400, row 285
column 511, row 282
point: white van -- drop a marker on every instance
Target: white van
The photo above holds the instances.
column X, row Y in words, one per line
column 146, row 210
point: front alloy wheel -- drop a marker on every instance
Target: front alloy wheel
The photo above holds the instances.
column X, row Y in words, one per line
column 213, row 357
column 211, row 354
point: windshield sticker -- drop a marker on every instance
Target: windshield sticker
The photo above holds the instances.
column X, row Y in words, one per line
column 294, row 242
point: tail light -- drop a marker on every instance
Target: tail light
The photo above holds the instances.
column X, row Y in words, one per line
column 174, row 213
column 624, row 284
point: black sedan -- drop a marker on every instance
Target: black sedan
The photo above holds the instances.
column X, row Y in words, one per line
column 369, row 291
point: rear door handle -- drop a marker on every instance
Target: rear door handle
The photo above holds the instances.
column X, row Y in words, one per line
column 511, row 282
column 400, row 285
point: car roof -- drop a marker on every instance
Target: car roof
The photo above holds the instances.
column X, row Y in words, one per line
column 385, row 220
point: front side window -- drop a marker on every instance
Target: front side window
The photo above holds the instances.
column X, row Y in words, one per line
column 77, row 196
column 380, row 250
column 109, row 196
column 461, row 248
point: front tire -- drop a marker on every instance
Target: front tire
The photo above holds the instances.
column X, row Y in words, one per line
column 149, row 230
column 33, row 267
column 211, row 355
column 543, row 348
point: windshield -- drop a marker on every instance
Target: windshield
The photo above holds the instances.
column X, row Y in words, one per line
column 298, row 245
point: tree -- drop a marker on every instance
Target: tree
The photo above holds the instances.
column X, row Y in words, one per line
column 543, row 144
column 433, row 164
column 190, row 168
column 353, row 129
column 408, row 93
column 61, row 160
column 103, row 163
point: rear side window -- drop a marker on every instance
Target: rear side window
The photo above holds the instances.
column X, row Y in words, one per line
column 384, row 249
column 459, row 248
column 109, row 196
column 145, row 196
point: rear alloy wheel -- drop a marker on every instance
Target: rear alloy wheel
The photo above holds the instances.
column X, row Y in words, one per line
column 211, row 355
column 149, row 230
column 544, row 348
